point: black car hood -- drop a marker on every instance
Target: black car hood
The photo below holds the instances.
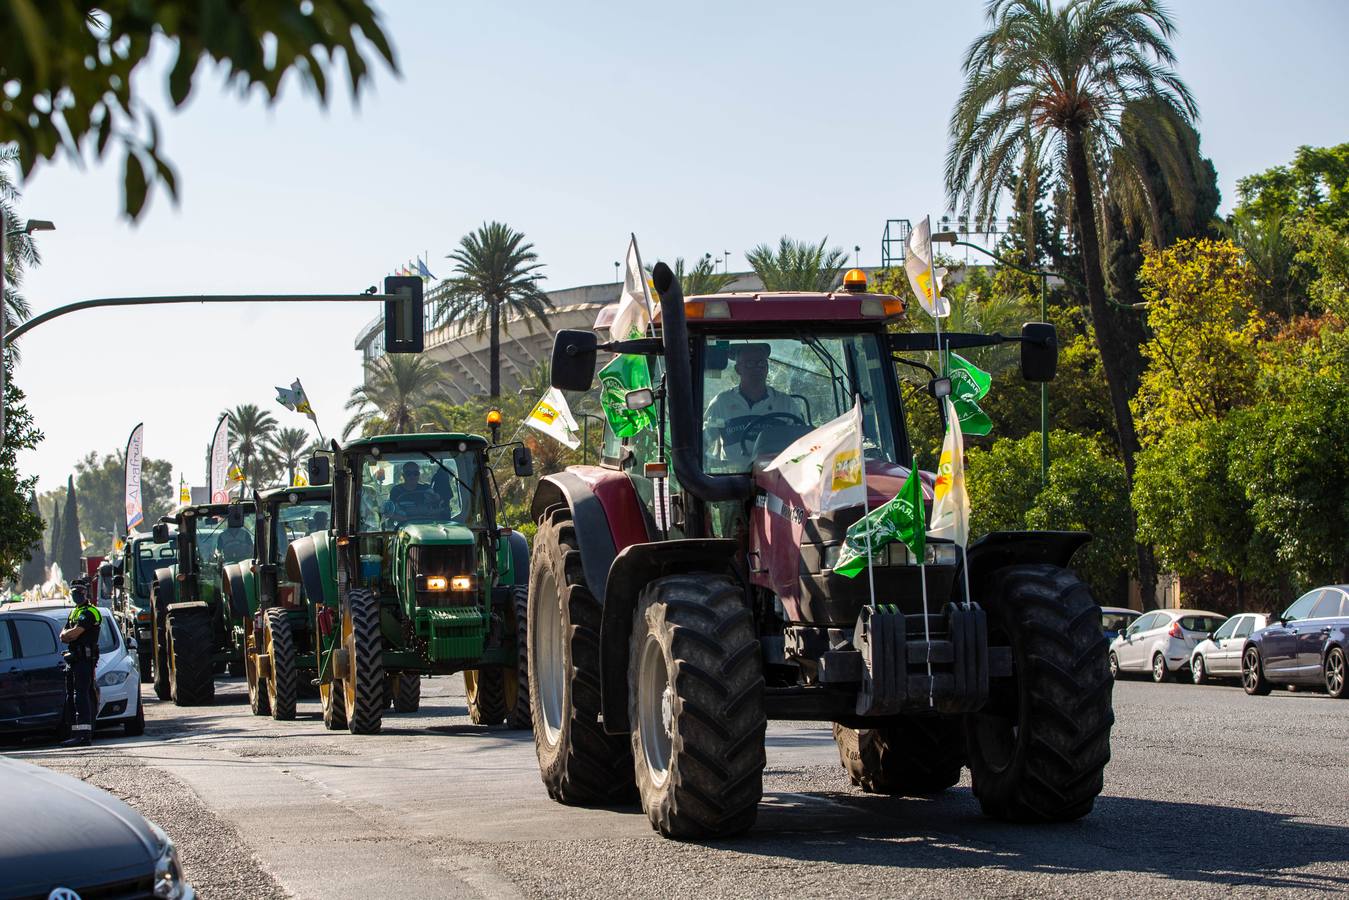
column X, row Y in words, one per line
column 56, row 831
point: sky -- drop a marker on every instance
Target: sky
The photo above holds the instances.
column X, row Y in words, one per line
column 700, row 126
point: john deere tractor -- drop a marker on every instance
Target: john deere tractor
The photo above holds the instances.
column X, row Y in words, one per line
column 141, row 556
column 415, row 578
column 280, row 660
column 684, row 591
column 198, row 628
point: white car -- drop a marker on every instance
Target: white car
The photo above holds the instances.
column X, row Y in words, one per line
column 1219, row 656
column 117, row 674
column 1161, row 642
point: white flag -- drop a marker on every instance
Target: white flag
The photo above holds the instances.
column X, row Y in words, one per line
column 918, row 266
column 220, row 454
column 633, row 313
column 552, row 416
column 951, row 504
column 825, row 466
column 131, row 478
column 295, row 399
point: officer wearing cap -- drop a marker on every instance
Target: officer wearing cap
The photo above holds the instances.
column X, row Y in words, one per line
column 81, row 633
column 732, row 411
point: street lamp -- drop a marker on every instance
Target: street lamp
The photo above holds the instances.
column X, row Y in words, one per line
column 5, row 234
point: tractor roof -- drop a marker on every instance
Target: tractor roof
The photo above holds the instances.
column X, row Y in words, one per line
column 765, row 307
column 392, row 443
column 305, row 492
column 200, row 509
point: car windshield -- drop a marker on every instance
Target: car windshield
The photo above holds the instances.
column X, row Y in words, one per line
column 295, row 520
column 214, row 534
column 415, row 486
column 1115, row 621
column 107, row 635
column 1201, row 623
column 759, row 394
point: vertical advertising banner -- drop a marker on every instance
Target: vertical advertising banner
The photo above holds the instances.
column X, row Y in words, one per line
column 220, row 455
column 131, row 481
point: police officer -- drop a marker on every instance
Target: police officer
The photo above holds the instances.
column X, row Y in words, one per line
column 81, row 633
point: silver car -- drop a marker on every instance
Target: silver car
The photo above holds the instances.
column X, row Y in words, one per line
column 1160, row 642
column 1219, row 654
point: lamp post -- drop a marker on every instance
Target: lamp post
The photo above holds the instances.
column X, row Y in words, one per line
column 5, row 234
column 950, row 237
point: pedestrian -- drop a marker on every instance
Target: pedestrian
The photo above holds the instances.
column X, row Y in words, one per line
column 81, row 633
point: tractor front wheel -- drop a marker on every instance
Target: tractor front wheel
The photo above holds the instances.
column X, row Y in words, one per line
column 1038, row 749
column 257, row 687
column 191, row 681
column 695, row 702
column 485, row 691
column 333, row 700
column 922, row 756
column 407, row 692
column 578, row 761
column 161, row 660
column 364, row 680
column 283, row 685
column 519, row 715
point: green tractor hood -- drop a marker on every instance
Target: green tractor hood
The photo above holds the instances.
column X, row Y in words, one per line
column 436, row 534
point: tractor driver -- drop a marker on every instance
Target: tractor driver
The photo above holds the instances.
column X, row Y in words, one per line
column 732, row 412
column 411, row 483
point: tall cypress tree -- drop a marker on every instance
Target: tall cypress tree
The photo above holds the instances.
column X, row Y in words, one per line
column 54, row 556
column 71, row 551
column 35, row 570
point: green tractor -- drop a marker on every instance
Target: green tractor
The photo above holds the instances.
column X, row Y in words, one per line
column 415, row 578
column 141, row 556
column 197, row 627
column 279, row 628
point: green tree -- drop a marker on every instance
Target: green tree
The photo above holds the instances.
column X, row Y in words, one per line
column 72, row 537
column 22, row 524
column 496, row 276
column 20, row 249
column 101, row 481
column 703, row 278
column 397, row 386
column 54, row 554
column 34, row 570
column 797, row 265
column 250, row 426
column 286, row 448
column 71, row 69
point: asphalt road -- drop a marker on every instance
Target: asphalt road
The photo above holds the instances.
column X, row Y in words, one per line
column 1209, row 792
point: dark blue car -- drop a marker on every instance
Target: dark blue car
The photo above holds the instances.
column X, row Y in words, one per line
column 1306, row 645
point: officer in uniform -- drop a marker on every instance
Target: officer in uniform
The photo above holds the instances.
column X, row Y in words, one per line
column 81, row 633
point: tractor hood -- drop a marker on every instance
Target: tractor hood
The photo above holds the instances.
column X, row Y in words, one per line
column 437, row 533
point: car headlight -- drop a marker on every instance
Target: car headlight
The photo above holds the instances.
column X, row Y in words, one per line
column 169, row 882
column 116, row 676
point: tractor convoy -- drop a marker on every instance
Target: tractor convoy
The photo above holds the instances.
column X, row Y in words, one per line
column 677, row 595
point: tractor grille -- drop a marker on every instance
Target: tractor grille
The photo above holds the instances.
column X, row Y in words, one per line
column 445, row 562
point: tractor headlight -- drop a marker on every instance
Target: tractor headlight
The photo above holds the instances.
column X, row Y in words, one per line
column 933, row 555
column 116, row 676
column 434, row 583
column 461, row 583
column 169, row 883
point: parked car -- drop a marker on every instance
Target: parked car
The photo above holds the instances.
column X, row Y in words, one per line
column 1219, row 654
column 1306, row 645
column 78, row 841
column 1161, row 642
column 33, row 694
column 1114, row 619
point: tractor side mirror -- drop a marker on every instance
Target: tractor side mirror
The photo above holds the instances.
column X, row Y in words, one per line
column 160, row 533
column 1039, row 351
column 319, row 470
column 234, row 518
column 105, row 570
column 118, row 582
column 523, row 461
column 574, row 359
column 639, row 399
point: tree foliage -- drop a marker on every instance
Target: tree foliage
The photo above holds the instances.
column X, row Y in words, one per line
column 797, row 265
column 72, row 69
column 72, row 534
column 100, row 480
column 250, row 427
column 396, row 387
column 22, row 525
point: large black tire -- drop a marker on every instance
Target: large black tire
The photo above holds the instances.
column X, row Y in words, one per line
column 191, row 680
column 695, row 702
column 922, row 756
column 283, row 686
column 160, row 676
column 578, row 761
column 147, row 668
column 257, row 684
column 1038, row 750
column 485, row 691
column 520, row 716
column 135, row 726
column 334, row 702
column 1253, row 680
column 407, row 692
column 364, row 682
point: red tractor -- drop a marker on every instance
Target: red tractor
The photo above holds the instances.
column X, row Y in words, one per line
column 682, row 593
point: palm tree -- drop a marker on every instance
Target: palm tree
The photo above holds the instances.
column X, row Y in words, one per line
column 1047, row 87
column 396, row 386
column 495, row 277
column 20, row 249
column 285, row 448
column 250, row 427
column 797, row 265
column 703, row 278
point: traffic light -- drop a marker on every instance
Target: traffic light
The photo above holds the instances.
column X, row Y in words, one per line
column 403, row 318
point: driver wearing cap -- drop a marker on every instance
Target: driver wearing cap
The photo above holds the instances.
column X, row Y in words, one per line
column 734, row 410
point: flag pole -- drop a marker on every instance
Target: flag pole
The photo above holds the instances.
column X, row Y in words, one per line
column 866, row 511
column 927, row 628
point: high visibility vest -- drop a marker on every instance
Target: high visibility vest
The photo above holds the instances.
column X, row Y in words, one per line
column 73, row 618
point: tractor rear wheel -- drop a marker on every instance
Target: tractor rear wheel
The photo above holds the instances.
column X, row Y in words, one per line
column 257, row 686
column 282, row 686
column 1039, row 747
column 485, row 691
column 578, row 761
column 695, row 702
column 407, row 692
column 519, row 715
column 364, row 680
column 161, row 660
column 190, row 678
column 921, row 756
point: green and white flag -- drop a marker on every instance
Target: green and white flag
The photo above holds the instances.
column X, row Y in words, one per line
column 627, row 372
column 900, row 519
column 969, row 384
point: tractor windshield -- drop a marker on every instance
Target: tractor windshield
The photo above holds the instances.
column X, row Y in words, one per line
column 214, row 535
column 761, row 393
column 295, row 520
column 419, row 486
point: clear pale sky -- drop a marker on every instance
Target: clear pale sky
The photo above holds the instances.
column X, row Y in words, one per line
column 702, row 127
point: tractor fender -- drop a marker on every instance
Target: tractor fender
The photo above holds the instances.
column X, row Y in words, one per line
column 517, row 550
column 636, row 566
column 192, row 606
column 309, row 560
column 165, row 587
column 235, row 591
column 606, row 512
column 999, row 549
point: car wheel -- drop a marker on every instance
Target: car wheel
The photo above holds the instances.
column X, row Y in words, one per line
column 1159, row 671
column 1197, row 673
column 1114, row 666
column 1253, row 679
column 1335, row 674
